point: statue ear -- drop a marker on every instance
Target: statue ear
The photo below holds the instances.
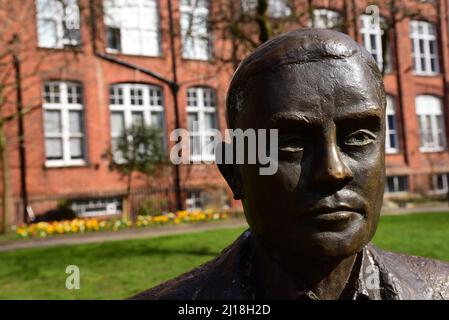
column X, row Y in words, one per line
column 230, row 172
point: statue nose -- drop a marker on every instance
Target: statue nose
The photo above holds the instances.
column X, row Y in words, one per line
column 329, row 166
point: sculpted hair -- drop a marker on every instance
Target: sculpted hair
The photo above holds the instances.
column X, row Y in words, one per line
column 296, row 47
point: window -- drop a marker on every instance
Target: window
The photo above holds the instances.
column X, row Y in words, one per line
column 132, row 27
column 201, row 113
column 196, row 42
column 372, row 40
column 95, row 207
column 137, row 104
column 326, row 19
column 440, row 182
column 424, row 48
column 63, row 124
column 395, row 184
column 58, row 23
column 276, row 8
column 113, row 39
column 194, row 201
column 431, row 123
column 391, row 136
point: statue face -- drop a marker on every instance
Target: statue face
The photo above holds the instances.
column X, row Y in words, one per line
column 325, row 198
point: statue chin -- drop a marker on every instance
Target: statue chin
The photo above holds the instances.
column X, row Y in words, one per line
column 323, row 246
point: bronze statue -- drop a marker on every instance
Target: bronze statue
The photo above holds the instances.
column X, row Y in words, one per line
column 310, row 222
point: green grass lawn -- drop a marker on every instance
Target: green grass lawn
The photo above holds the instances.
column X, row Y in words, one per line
column 118, row 269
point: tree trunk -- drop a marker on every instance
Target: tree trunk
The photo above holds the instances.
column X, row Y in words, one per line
column 5, row 179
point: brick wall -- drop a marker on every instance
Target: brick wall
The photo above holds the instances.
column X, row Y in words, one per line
column 96, row 75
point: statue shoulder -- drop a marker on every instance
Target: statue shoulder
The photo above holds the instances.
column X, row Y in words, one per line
column 427, row 277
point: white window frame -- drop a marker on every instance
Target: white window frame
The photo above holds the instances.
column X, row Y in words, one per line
column 391, row 111
column 332, row 20
column 127, row 108
column 435, row 189
column 195, row 34
column 428, row 34
column 54, row 11
column 202, row 132
column 64, row 108
column 428, row 109
column 368, row 29
column 396, row 185
column 117, row 15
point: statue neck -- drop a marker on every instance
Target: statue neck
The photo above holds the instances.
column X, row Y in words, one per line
column 291, row 277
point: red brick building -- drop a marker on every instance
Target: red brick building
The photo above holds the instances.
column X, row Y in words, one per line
column 82, row 92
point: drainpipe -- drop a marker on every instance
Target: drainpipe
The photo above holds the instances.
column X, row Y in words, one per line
column 399, row 80
column 174, row 90
column 172, row 84
column 21, row 133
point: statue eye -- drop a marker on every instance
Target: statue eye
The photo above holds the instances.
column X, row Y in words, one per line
column 291, row 144
column 360, row 138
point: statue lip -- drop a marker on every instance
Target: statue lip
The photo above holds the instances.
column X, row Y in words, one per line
column 334, row 217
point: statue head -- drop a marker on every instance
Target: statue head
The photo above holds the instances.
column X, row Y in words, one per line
column 325, row 95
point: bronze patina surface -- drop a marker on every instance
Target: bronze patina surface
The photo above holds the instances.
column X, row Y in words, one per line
column 310, row 222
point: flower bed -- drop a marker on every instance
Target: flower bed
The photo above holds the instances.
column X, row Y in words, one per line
column 44, row 229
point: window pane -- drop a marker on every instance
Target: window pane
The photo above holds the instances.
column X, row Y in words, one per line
column 136, row 96
column 116, row 95
column 421, row 46
column 209, row 98
column 195, row 145
column 52, row 121
column 440, row 183
column 391, row 122
column 433, row 65
column 193, row 122
column 75, row 122
column 74, row 93
column 47, row 33
column 210, row 120
column 76, row 148
column 428, row 131
column 113, row 38
column 117, row 122
column 393, row 141
column 155, row 96
column 403, row 183
column 209, row 145
column 390, row 184
column 373, row 42
column 440, row 129
column 137, row 118
column 192, row 98
column 131, row 41
column 157, row 119
column 433, row 46
column 194, row 30
column 53, row 148
column 52, row 93
column 71, row 23
column 116, row 154
column 423, row 64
